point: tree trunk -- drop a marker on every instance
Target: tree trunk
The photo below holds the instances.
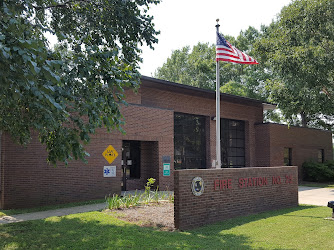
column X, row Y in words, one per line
column 1, row 191
column 304, row 119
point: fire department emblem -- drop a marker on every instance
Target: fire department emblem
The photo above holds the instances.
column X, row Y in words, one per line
column 197, row 186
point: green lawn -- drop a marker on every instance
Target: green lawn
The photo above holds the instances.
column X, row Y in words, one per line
column 297, row 228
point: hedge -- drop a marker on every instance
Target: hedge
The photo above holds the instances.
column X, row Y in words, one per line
column 318, row 172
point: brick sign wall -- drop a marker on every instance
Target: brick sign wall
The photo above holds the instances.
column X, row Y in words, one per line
column 230, row 193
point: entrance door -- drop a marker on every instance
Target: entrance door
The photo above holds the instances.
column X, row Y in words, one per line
column 130, row 161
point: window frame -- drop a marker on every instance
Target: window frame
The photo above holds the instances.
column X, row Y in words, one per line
column 189, row 148
column 287, row 156
column 321, row 159
column 233, row 143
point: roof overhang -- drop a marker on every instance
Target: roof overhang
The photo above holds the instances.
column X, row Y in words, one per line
column 269, row 106
column 194, row 91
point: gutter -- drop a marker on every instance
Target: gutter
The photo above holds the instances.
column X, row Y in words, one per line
column 269, row 106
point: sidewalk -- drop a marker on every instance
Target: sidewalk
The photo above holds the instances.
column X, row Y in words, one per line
column 315, row 196
column 306, row 195
column 50, row 213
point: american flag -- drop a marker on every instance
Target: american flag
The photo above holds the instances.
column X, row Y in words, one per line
column 226, row 52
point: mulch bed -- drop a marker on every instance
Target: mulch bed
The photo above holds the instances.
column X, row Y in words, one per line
column 159, row 215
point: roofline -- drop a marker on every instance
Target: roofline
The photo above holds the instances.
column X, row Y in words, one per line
column 292, row 126
column 206, row 93
column 269, row 106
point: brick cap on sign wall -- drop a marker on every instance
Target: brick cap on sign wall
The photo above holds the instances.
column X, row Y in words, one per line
column 205, row 169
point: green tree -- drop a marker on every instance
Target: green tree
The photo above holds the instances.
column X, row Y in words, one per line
column 196, row 67
column 66, row 93
column 234, row 88
column 298, row 48
column 175, row 69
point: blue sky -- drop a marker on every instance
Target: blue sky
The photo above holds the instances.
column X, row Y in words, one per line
column 187, row 22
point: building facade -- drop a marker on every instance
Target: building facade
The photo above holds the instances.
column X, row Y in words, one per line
column 168, row 126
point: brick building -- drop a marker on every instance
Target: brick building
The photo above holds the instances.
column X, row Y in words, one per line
column 165, row 123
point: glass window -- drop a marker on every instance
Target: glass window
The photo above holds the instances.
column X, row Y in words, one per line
column 287, row 156
column 189, row 141
column 321, row 156
column 232, row 143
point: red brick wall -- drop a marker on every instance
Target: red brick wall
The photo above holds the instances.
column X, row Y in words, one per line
column 150, row 161
column 149, row 166
column 271, row 139
column 157, row 125
column 228, row 201
column 205, row 106
column 262, row 149
column 132, row 96
column 199, row 105
column 27, row 180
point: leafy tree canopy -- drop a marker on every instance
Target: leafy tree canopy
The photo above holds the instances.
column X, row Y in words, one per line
column 196, row 67
column 299, row 49
column 66, row 93
column 296, row 65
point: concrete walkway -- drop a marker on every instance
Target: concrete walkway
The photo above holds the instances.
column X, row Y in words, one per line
column 50, row 213
column 307, row 195
column 315, row 196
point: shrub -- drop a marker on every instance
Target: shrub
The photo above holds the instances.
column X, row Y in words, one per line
column 117, row 202
column 171, row 198
column 136, row 199
column 114, row 202
column 128, row 201
column 318, row 172
column 148, row 185
column 330, row 164
column 156, row 195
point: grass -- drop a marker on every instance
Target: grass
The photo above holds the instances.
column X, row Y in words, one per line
column 303, row 227
column 45, row 208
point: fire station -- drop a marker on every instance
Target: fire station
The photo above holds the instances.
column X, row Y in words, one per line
column 168, row 126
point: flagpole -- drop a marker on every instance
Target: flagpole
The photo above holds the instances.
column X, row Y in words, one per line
column 218, row 149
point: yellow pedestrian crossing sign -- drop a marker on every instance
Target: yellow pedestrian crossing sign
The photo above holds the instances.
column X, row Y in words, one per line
column 110, row 154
